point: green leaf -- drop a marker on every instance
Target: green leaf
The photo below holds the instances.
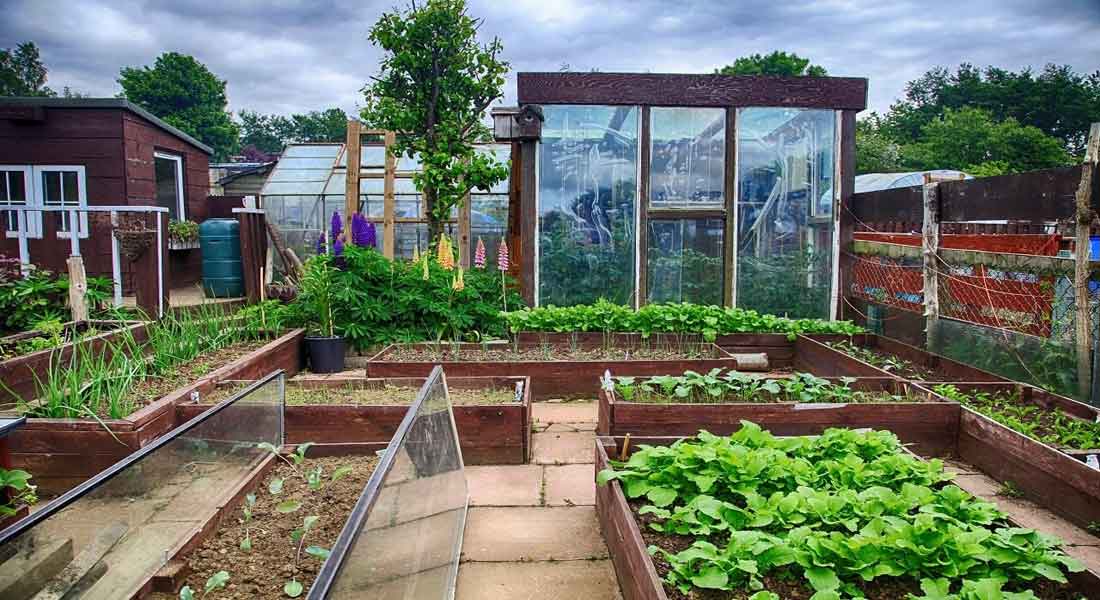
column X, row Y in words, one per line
column 764, row 595
column 1051, row 572
column 341, row 472
column 319, row 552
column 246, row 544
column 217, row 580
column 309, row 521
column 822, row 579
column 661, row 496
column 288, row 506
column 268, row 447
column 711, row 577
column 293, row 588
column 186, row 593
column 276, row 485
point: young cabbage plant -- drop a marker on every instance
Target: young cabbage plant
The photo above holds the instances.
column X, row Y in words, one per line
column 216, row 581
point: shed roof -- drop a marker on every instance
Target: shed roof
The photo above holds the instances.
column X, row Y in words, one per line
column 118, row 103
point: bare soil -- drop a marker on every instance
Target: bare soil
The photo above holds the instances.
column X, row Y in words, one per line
column 547, row 353
column 386, row 395
column 789, row 583
column 262, row 572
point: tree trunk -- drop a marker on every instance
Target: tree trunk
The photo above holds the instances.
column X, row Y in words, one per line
column 435, row 226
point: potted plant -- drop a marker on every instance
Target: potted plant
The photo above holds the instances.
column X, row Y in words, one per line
column 315, row 297
column 183, row 235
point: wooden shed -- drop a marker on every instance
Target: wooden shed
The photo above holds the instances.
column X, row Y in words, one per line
column 89, row 152
column 643, row 187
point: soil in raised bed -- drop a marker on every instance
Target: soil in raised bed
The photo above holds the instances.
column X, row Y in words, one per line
column 386, row 395
column 789, row 584
column 446, row 352
column 1052, row 425
column 262, row 572
column 894, row 365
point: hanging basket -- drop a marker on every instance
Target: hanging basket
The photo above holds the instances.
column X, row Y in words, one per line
column 134, row 242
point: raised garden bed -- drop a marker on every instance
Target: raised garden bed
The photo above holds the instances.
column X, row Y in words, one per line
column 555, row 370
column 909, row 362
column 61, row 453
column 18, row 373
column 645, row 558
column 864, row 402
column 492, row 414
column 249, row 537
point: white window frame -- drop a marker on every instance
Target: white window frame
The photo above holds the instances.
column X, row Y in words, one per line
column 181, row 201
column 81, row 193
column 32, row 219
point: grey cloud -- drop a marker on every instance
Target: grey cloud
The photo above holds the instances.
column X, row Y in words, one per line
column 283, row 56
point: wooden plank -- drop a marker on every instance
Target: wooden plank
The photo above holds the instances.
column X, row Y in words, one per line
column 664, row 89
column 729, row 190
column 1082, row 298
column 389, row 229
column 930, row 246
column 353, row 152
column 846, row 221
column 642, row 292
column 529, row 222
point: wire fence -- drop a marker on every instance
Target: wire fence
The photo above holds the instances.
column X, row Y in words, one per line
column 1010, row 313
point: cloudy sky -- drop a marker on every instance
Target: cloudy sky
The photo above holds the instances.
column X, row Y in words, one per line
column 286, row 56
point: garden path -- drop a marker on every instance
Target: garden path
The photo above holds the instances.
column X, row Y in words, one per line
column 532, row 531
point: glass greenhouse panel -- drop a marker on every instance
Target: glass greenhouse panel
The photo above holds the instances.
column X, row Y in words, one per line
column 404, row 537
column 685, row 261
column 108, row 536
column 588, row 180
column 687, row 158
column 489, row 222
column 785, row 165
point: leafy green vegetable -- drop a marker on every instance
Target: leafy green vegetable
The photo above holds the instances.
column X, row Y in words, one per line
column 733, row 386
column 1051, row 425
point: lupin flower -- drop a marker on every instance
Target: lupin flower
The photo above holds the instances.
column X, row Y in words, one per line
column 446, row 253
column 502, row 256
column 362, row 231
column 338, row 247
column 459, row 284
column 416, row 252
column 424, row 260
column 479, row 254
column 337, row 225
column 321, row 243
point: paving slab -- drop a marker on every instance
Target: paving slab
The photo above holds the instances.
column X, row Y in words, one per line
column 570, row 485
column 563, row 448
column 505, row 485
column 564, row 412
column 495, row 534
column 584, row 579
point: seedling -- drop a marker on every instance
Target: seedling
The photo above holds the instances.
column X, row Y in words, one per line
column 1009, row 490
column 249, row 504
column 293, row 588
column 294, row 459
column 216, row 581
column 22, row 492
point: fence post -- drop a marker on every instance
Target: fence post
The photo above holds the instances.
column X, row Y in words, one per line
column 930, row 247
column 1083, row 318
column 353, row 150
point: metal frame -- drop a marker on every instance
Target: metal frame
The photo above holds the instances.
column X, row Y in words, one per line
column 103, row 477
column 333, row 565
column 181, row 200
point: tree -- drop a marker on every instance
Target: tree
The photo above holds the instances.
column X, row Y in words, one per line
column 971, row 140
column 183, row 92
column 1058, row 101
column 434, row 85
column 776, row 64
column 269, row 134
column 22, row 72
column 875, row 151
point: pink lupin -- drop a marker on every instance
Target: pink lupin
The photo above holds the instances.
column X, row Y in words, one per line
column 479, row 254
column 502, row 256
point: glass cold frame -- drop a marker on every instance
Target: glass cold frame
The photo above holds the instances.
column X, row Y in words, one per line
column 785, row 162
column 119, row 528
column 588, row 180
column 404, row 537
column 687, row 158
column 685, row 261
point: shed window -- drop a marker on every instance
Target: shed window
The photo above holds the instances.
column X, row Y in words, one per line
column 43, row 186
column 15, row 190
column 169, row 180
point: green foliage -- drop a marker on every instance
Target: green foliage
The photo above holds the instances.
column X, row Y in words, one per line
column 434, row 85
column 876, row 151
column 271, row 133
column 777, row 63
column 1051, row 425
column 378, row 301
column 778, row 284
column 1045, row 362
column 1058, row 101
column 574, row 272
column 969, row 139
column 43, row 296
column 215, row 582
column 183, row 231
column 22, row 72
column 705, row 320
column 317, row 294
column 684, row 276
column 840, row 509
column 732, row 386
column 183, row 92
column 16, row 490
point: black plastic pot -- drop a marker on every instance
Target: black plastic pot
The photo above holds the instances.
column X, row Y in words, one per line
column 326, row 354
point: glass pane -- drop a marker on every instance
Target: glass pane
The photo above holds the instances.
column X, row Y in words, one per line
column 51, row 187
column 409, row 543
column 128, row 522
column 410, row 236
column 687, row 164
column 685, row 261
column 167, row 176
column 588, row 181
column 489, row 222
column 70, row 193
column 784, row 167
